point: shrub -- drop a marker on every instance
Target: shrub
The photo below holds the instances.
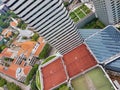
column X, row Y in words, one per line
column 31, row 74
column 12, row 86
column 35, row 37
column 2, row 82
column 22, row 25
column 45, row 51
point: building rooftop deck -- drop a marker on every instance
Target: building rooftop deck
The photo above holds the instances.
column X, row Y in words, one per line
column 78, row 60
column 94, row 79
column 53, row 74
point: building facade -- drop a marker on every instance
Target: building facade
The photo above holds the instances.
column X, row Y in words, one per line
column 50, row 19
column 85, row 1
column 108, row 11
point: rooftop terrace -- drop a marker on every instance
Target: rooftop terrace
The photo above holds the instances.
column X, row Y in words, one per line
column 79, row 13
column 78, row 60
column 53, row 74
column 94, row 79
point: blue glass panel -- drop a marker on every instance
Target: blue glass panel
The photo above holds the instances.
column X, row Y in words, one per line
column 115, row 65
column 105, row 43
column 88, row 32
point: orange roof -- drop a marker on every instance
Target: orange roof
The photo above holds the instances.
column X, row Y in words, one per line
column 27, row 70
column 14, row 24
column 42, row 44
column 11, row 71
column 4, row 31
column 6, row 53
column 53, row 74
column 9, row 34
column 26, row 48
column 78, row 60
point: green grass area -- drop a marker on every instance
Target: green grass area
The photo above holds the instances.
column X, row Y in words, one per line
column 79, row 13
column 94, row 24
column 2, row 47
column 72, row 14
column 48, row 59
column 38, row 84
column 63, row 87
column 95, row 79
column 85, row 9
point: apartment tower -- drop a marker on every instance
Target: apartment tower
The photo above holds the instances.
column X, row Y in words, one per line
column 50, row 19
column 108, row 11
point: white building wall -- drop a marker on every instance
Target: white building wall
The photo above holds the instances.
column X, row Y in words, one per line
column 108, row 11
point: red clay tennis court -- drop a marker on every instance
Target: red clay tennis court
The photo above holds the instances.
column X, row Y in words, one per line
column 53, row 74
column 78, row 60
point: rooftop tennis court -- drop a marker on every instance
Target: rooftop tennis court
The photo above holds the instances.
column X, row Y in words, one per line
column 53, row 74
column 78, row 60
column 95, row 79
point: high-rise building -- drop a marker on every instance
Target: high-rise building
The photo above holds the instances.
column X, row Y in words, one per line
column 108, row 11
column 50, row 19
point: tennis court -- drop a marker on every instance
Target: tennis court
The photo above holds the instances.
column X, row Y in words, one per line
column 53, row 74
column 78, row 60
column 95, row 79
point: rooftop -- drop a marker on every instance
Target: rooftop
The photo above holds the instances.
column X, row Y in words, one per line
column 78, row 60
column 14, row 24
column 53, row 74
column 95, row 79
column 88, row 32
column 26, row 48
column 39, row 49
column 7, row 32
column 114, row 65
column 12, row 69
column 6, row 53
column 105, row 44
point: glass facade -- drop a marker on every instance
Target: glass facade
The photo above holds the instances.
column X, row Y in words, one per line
column 105, row 44
column 85, row 33
column 115, row 65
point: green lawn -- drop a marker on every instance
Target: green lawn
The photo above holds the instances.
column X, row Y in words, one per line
column 48, row 59
column 94, row 79
column 94, row 24
column 79, row 13
column 85, row 9
column 38, row 84
column 63, row 87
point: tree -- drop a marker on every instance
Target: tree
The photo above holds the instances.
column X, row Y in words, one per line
column 31, row 74
column 2, row 47
column 33, row 84
column 35, row 37
column 12, row 86
column 22, row 25
column 66, row 3
column 45, row 51
column 2, row 82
